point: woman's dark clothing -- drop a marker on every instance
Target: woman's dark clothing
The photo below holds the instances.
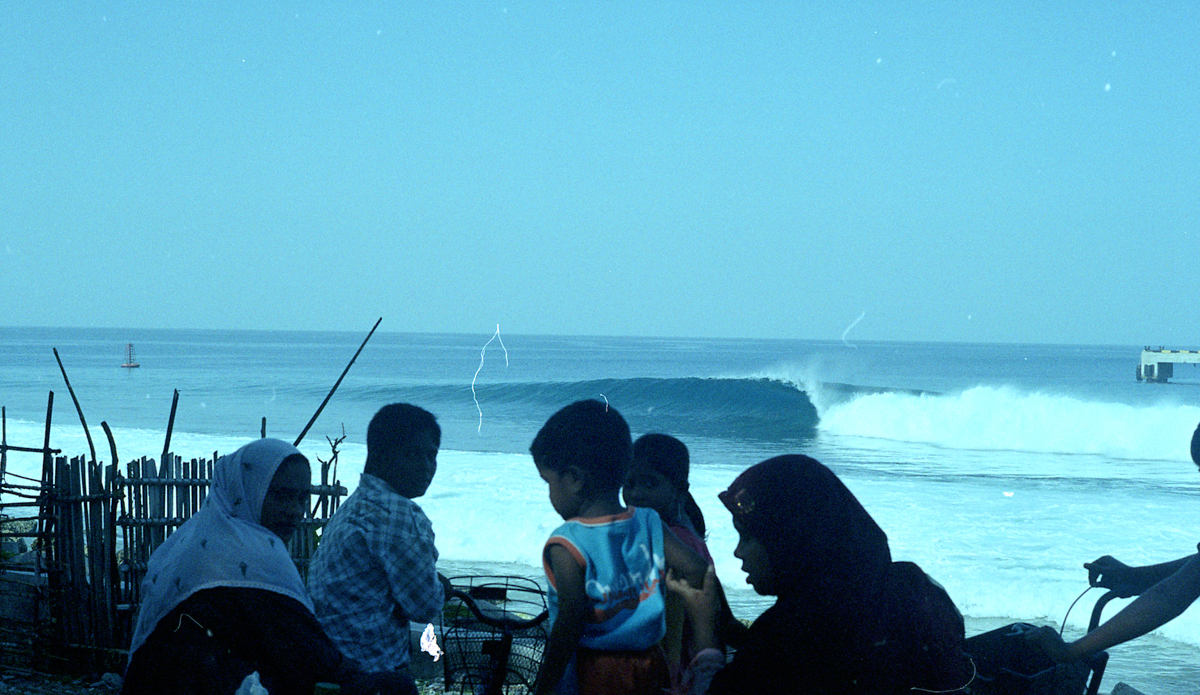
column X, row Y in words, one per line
column 216, row 637
column 848, row 621
column 919, row 645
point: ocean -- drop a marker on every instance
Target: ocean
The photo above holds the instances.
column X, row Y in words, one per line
column 1000, row 469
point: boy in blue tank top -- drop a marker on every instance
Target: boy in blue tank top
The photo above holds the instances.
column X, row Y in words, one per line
column 605, row 564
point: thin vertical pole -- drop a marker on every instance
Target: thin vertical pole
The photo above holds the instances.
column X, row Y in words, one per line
column 170, row 425
column 3, row 443
column 336, row 384
column 44, row 524
column 78, row 408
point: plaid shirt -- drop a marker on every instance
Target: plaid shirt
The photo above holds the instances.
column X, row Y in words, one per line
column 373, row 572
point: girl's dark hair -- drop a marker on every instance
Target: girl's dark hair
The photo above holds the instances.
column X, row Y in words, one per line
column 663, row 454
column 692, row 510
column 669, row 457
column 589, row 435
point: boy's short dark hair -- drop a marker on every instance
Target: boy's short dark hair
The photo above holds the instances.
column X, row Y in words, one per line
column 396, row 425
column 591, row 436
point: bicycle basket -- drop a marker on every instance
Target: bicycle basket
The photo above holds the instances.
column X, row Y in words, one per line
column 478, row 650
column 1007, row 664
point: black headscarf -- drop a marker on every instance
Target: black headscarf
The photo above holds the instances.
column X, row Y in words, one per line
column 1196, row 445
column 848, row 619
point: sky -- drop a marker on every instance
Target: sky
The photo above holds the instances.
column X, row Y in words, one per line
column 920, row 171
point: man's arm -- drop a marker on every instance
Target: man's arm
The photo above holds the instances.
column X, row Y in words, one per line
column 568, row 624
column 410, row 560
column 1156, row 606
column 1110, row 573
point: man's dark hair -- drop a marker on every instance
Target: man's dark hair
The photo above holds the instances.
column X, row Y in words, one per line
column 396, row 425
column 591, row 436
column 1196, row 446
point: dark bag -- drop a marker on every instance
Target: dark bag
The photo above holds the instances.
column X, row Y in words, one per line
column 1007, row 664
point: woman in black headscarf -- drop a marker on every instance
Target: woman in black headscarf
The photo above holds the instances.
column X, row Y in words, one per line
column 848, row 620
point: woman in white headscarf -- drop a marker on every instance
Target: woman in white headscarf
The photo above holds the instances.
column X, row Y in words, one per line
column 222, row 598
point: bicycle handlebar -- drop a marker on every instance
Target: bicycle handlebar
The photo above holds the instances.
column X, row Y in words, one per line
column 504, row 623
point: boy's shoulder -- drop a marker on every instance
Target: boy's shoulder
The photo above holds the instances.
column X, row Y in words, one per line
column 633, row 521
column 374, row 507
column 632, row 516
column 373, row 492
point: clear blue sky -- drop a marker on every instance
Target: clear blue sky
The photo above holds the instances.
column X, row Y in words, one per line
column 953, row 171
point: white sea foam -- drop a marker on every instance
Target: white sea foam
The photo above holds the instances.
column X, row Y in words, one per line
column 1006, row 419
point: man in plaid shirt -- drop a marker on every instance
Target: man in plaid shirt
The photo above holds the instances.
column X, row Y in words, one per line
column 374, row 570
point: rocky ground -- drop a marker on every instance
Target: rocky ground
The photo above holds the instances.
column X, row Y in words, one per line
column 12, row 683
column 45, row 684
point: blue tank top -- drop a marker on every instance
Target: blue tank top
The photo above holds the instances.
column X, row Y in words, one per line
column 623, row 562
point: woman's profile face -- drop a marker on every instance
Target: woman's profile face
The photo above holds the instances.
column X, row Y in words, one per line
column 755, row 564
column 287, row 498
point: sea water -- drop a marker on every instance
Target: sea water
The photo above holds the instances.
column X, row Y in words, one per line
column 1000, row 469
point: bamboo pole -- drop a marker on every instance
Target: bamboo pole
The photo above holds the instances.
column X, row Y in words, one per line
column 170, row 425
column 97, row 551
column 155, row 504
column 140, row 549
column 71, row 538
column 80, row 543
column 106, row 578
column 112, row 488
column 193, row 496
column 45, row 524
column 335, row 386
column 78, row 408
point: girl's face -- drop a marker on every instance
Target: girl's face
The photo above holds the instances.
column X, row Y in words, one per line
column 287, row 498
column 755, row 564
column 651, row 489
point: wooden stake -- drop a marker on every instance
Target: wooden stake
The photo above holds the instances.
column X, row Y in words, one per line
column 336, row 384
column 78, row 408
column 170, row 426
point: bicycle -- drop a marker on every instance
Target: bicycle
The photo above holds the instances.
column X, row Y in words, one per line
column 495, row 634
column 1007, row 664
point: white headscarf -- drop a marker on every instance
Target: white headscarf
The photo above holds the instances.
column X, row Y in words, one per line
column 223, row 544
